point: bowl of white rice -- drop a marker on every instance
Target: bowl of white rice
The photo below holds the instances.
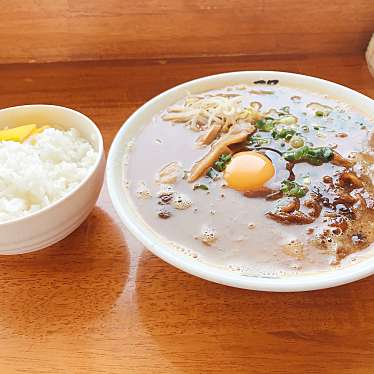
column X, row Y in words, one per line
column 50, row 175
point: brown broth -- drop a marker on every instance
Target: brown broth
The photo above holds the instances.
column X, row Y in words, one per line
column 247, row 241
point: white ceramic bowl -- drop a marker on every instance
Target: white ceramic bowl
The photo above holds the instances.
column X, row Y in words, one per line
column 153, row 242
column 53, row 223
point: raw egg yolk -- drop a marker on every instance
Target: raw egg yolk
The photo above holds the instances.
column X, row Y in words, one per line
column 248, row 170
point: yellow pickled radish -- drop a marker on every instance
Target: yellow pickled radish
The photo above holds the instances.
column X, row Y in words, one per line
column 38, row 130
column 17, row 134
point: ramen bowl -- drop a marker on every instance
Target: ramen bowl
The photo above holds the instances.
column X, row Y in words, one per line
column 129, row 215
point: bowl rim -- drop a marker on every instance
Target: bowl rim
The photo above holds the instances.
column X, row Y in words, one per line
column 84, row 181
column 160, row 248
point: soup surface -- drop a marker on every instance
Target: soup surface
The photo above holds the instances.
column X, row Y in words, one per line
column 263, row 179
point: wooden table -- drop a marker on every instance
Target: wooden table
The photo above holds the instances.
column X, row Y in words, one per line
column 98, row 302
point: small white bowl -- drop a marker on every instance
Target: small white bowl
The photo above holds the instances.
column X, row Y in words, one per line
column 53, row 223
column 132, row 219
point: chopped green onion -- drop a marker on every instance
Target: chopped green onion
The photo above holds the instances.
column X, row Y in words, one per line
column 282, row 133
column 291, row 188
column 319, row 113
column 200, row 187
column 257, row 140
column 305, row 128
column 265, row 124
column 288, row 137
column 221, row 163
column 212, row 174
column 314, row 156
column 297, row 141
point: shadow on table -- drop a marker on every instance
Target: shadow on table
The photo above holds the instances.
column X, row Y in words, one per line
column 66, row 287
column 199, row 324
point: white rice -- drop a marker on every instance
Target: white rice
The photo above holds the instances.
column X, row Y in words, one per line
column 42, row 170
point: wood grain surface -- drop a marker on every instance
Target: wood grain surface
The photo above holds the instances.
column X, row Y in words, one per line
column 98, row 302
column 63, row 30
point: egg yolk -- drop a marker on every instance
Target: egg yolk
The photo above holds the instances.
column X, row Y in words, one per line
column 248, row 171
